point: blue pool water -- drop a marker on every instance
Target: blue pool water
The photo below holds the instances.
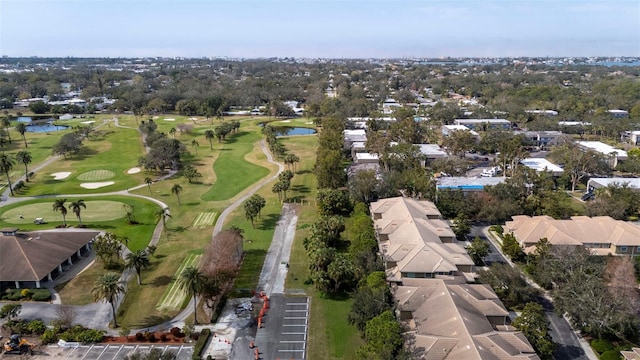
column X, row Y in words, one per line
column 45, row 128
column 24, row 119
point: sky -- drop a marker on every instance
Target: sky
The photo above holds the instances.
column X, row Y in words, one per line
column 319, row 28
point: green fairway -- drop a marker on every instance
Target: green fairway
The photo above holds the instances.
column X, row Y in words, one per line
column 174, row 296
column 233, row 172
column 97, row 210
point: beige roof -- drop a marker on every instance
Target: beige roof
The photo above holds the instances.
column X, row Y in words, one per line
column 450, row 321
column 634, row 354
column 415, row 237
column 579, row 230
column 31, row 256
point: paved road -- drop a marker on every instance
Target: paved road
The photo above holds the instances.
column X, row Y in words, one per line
column 570, row 345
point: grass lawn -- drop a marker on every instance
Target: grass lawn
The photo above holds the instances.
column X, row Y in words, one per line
column 104, row 213
column 110, row 152
column 77, row 290
column 232, row 161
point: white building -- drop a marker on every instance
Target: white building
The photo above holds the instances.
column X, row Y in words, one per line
column 484, row 124
column 617, row 113
column 614, row 154
column 542, row 112
column 448, row 129
column 542, row 165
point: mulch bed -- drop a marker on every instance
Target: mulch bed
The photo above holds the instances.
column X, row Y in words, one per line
column 157, row 337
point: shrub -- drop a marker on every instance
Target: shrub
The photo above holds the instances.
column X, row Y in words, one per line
column 176, row 332
column 139, row 336
column 41, row 295
column 148, row 335
column 10, row 310
column 49, row 337
column 610, row 355
column 163, row 337
column 601, row 345
column 37, row 327
column 202, row 340
column 14, row 295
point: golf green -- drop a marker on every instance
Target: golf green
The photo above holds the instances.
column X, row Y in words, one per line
column 97, row 210
column 96, row 175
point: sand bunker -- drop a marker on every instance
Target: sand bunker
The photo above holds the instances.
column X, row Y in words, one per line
column 133, row 170
column 61, row 175
column 87, row 122
column 285, row 121
column 169, row 119
column 156, row 117
column 96, row 185
column 310, row 122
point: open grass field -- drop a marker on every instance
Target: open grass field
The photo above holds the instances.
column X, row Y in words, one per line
column 97, row 210
column 233, row 172
column 174, row 296
column 77, row 290
column 112, row 219
column 109, row 153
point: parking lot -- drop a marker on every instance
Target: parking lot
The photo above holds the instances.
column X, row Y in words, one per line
column 109, row 352
column 284, row 334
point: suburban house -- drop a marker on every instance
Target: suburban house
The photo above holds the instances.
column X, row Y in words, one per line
column 542, row 112
column 541, row 139
column 431, row 152
column 458, row 321
column 633, row 354
column 351, row 136
column 631, row 137
column 484, row 124
column 429, row 271
column 601, row 234
column 467, row 184
column 597, row 183
column 448, row 129
column 542, row 165
column 618, row 114
column 33, row 257
column 612, row 153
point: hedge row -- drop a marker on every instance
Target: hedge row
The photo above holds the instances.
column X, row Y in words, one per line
column 202, row 341
column 26, row 294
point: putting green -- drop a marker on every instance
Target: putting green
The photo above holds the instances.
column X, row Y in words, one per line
column 95, row 175
column 97, row 210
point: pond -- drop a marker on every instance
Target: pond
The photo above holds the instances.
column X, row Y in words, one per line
column 44, row 128
column 290, row 130
column 23, row 119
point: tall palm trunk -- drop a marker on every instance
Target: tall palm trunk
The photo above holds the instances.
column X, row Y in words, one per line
column 9, row 182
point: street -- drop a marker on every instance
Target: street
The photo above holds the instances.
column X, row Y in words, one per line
column 569, row 346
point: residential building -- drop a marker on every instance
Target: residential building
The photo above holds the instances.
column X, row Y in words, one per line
column 541, row 139
column 351, row 136
column 542, row 165
column 631, row 137
column 614, row 155
column 601, row 234
column 458, row 321
column 366, row 158
column 633, row 354
column 467, row 184
column 484, row 124
column 542, row 112
column 597, row 183
column 415, row 242
column 448, row 129
column 432, row 152
column 618, row 114
column 573, row 123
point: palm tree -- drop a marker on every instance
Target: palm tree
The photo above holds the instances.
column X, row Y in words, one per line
column 107, row 288
column 76, row 207
column 176, row 189
column 192, row 281
column 210, row 135
column 163, row 215
column 22, row 129
column 137, row 260
column 24, row 157
column 149, row 181
column 195, row 145
column 6, row 122
column 58, row 205
column 6, row 164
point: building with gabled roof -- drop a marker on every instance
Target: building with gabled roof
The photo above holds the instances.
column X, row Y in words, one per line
column 458, row 321
column 602, row 235
column 415, row 242
column 36, row 256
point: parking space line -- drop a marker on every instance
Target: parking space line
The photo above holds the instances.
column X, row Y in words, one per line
column 292, row 350
column 292, row 341
column 294, row 317
column 294, row 333
column 296, row 310
column 294, row 325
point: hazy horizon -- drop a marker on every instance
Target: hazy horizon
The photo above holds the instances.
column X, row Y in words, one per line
column 319, row 29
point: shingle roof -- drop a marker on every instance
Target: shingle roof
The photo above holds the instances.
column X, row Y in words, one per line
column 450, row 321
column 31, row 256
column 580, row 230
